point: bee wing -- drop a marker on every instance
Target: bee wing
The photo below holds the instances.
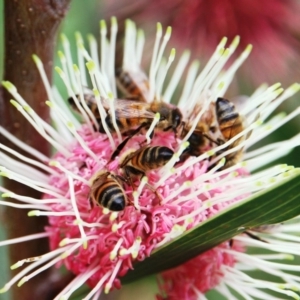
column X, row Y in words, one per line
column 132, row 109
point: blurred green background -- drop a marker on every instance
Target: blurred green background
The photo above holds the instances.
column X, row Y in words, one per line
column 84, row 17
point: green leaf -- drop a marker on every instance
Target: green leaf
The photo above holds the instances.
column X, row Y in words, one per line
column 274, row 205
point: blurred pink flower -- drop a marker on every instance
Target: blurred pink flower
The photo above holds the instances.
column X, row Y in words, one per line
column 272, row 27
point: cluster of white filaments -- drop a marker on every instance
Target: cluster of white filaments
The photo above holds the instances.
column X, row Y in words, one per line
column 205, row 86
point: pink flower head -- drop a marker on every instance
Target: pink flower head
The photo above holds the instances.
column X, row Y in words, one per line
column 100, row 246
column 271, row 26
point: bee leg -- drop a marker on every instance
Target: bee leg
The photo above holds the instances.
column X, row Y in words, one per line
column 157, row 194
column 123, row 144
column 254, row 237
column 92, row 204
column 184, row 156
column 217, row 142
column 145, row 141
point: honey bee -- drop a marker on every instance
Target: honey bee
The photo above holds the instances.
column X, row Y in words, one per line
column 230, row 123
column 134, row 85
column 107, row 191
column 147, row 158
column 219, row 124
column 202, row 138
column 131, row 116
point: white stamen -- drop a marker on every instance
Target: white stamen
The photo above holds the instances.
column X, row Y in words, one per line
column 58, row 165
column 201, row 79
column 80, row 280
column 181, row 65
column 31, row 200
column 102, row 81
column 257, row 137
column 39, row 185
column 76, row 211
column 94, row 52
column 113, row 276
column 67, row 50
column 80, row 58
column 17, row 277
column 25, row 238
column 133, row 250
column 22, row 169
column 104, row 54
column 288, row 93
column 161, row 79
column 128, row 57
column 151, row 128
column 279, row 149
column 112, row 50
column 24, row 206
column 186, row 185
column 48, row 265
column 72, row 129
column 139, row 45
column 98, row 286
column 28, row 160
column 111, row 102
column 229, row 74
column 152, row 71
column 114, row 252
column 61, row 129
column 38, row 213
column 167, row 170
column 35, row 153
column 188, row 85
column 136, row 194
column 26, row 112
column 67, row 241
column 82, row 106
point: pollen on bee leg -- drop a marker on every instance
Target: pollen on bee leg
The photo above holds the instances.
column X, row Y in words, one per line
column 151, row 128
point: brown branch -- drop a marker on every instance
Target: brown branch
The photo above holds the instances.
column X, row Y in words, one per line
column 30, row 27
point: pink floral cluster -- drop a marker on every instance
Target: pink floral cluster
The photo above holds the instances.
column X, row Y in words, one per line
column 115, row 242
